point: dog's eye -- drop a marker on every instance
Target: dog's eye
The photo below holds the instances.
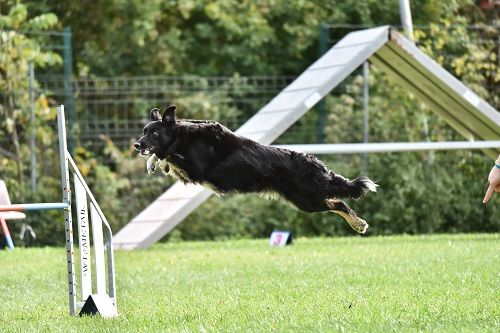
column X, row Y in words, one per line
column 156, row 134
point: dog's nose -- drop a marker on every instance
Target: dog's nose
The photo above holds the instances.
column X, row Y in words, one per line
column 137, row 145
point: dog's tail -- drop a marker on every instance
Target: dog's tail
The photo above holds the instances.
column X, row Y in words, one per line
column 341, row 187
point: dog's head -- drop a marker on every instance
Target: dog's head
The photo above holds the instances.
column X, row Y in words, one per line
column 158, row 133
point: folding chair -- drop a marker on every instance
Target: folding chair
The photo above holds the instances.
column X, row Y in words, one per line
column 4, row 216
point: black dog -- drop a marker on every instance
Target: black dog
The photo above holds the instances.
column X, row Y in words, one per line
column 210, row 154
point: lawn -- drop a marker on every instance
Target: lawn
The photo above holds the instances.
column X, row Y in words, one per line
column 442, row 283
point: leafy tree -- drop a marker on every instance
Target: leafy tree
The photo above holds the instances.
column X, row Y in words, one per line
column 202, row 37
column 210, row 37
column 219, row 37
column 18, row 50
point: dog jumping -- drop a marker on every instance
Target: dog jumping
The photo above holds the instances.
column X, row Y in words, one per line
column 208, row 153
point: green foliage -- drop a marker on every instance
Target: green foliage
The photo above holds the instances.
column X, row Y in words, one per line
column 419, row 192
column 470, row 55
column 116, row 37
column 18, row 49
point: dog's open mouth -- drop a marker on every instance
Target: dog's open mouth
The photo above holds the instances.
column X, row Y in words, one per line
column 147, row 151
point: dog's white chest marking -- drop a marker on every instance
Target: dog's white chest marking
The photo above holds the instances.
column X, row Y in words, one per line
column 271, row 195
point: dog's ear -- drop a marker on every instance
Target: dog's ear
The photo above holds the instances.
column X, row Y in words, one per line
column 154, row 114
column 169, row 114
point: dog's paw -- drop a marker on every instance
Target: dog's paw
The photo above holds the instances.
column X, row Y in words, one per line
column 151, row 169
column 151, row 164
column 356, row 222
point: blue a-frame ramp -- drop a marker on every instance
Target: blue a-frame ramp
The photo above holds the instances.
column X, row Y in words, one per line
column 389, row 51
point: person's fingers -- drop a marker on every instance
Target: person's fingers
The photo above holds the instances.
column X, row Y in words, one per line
column 489, row 192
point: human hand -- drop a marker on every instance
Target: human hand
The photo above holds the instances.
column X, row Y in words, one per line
column 494, row 183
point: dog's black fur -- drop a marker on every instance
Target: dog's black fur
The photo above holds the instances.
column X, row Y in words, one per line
column 208, row 153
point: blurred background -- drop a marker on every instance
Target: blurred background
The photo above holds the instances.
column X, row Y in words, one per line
column 110, row 61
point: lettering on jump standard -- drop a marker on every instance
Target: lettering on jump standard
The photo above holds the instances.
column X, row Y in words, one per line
column 83, row 238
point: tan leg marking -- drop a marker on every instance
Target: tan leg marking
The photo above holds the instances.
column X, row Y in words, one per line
column 357, row 223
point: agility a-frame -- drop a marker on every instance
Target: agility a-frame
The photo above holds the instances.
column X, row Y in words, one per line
column 461, row 108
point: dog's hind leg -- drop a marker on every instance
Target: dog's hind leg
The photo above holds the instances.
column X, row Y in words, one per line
column 341, row 208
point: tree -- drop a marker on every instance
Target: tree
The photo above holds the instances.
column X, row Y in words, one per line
column 205, row 37
column 18, row 50
column 219, row 37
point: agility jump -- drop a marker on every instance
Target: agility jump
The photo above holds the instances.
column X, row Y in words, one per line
column 101, row 298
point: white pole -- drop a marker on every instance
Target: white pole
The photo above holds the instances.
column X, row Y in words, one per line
column 406, row 21
column 366, row 116
column 366, row 96
column 356, row 148
column 68, row 223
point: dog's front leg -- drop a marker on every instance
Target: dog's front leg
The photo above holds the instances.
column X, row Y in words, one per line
column 163, row 164
column 151, row 164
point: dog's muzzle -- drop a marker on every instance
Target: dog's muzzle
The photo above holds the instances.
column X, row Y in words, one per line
column 139, row 146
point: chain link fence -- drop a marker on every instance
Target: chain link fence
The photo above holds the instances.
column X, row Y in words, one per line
column 117, row 107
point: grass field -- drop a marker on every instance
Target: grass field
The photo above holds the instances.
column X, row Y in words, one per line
column 437, row 283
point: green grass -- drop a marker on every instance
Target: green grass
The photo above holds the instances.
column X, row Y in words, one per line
column 437, row 283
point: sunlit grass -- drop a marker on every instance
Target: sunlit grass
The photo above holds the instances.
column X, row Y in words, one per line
column 405, row 283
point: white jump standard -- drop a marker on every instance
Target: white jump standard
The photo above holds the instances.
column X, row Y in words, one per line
column 102, row 298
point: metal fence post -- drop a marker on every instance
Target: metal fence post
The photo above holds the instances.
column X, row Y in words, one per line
column 366, row 109
column 321, row 120
column 31, row 83
column 68, row 86
column 406, row 21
